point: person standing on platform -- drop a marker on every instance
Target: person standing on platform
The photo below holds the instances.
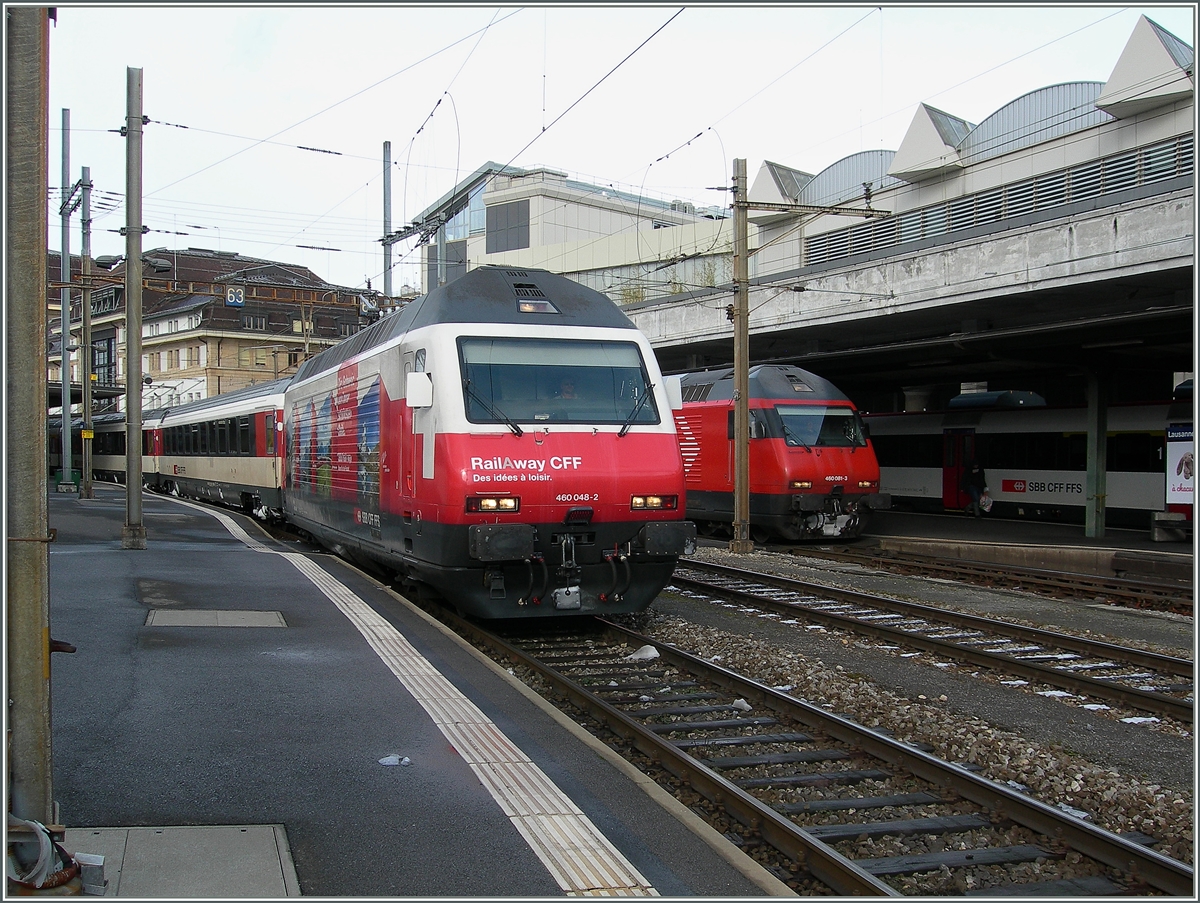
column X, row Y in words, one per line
column 974, row 484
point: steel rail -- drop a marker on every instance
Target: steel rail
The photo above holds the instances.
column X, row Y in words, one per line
column 1143, row 659
column 1139, row 862
column 1159, row 871
column 1129, row 696
column 1143, row 592
column 819, row 859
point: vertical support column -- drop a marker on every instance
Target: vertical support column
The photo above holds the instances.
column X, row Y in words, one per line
column 441, row 252
column 741, row 363
column 133, row 535
column 85, row 337
column 387, row 219
column 66, row 480
column 1097, row 454
column 27, row 584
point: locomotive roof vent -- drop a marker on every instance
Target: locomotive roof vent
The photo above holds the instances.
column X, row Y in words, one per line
column 798, row 384
column 527, row 290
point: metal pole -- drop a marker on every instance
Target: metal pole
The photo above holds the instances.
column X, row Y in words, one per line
column 27, row 182
column 441, row 253
column 1097, row 455
column 66, row 482
column 741, row 363
column 387, row 218
column 85, row 337
column 133, row 536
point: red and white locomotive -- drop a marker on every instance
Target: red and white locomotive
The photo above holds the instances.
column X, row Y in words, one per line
column 445, row 444
column 813, row 471
column 505, row 440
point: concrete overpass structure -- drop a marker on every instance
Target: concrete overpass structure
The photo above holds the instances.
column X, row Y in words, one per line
column 1023, row 305
column 1051, row 244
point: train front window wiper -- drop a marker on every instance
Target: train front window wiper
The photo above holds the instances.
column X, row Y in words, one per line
column 496, row 413
column 796, row 438
column 636, row 410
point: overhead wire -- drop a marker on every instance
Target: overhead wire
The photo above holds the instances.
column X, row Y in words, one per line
column 338, row 103
column 481, row 32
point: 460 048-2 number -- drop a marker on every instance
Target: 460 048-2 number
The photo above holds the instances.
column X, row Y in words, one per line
column 577, row 497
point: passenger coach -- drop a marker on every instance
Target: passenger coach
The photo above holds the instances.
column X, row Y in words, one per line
column 1035, row 458
column 226, row 449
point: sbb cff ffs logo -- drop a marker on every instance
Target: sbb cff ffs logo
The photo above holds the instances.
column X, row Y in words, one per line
column 1012, row 485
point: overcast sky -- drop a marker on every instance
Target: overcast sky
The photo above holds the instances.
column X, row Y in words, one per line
column 268, row 122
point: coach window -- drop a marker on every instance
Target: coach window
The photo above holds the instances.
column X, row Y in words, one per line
column 245, row 442
column 270, row 436
column 222, row 437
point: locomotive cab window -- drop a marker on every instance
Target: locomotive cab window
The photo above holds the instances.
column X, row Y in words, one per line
column 554, row 380
column 821, row 426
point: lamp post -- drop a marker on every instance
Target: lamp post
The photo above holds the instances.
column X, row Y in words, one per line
column 66, row 476
column 133, row 534
column 85, row 340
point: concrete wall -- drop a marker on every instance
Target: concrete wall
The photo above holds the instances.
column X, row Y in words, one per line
column 1140, row 236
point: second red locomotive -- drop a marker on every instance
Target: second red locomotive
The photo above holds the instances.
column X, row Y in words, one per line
column 813, row 471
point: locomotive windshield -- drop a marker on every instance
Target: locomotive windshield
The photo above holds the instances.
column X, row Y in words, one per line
column 821, row 426
column 508, row 380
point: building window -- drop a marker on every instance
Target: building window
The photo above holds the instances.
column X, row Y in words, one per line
column 477, row 212
column 508, row 227
column 456, row 262
column 254, row 321
column 253, row 357
column 347, row 329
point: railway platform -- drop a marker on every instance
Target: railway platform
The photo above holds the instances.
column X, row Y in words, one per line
column 1031, row 544
column 246, row 719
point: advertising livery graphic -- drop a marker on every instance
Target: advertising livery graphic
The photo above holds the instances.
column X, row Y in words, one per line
column 368, row 444
column 1181, row 464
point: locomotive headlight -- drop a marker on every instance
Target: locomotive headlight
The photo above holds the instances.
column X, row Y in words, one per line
column 801, row 484
column 654, row 502
column 868, row 484
column 489, row 504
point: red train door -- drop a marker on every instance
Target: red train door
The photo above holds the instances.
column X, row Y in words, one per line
column 958, row 448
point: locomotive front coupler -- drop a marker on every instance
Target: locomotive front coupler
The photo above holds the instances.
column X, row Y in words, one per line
column 568, row 576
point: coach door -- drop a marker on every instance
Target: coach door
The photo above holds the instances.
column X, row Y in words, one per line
column 958, row 449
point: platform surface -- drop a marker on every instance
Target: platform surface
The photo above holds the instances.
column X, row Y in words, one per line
column 246, row 719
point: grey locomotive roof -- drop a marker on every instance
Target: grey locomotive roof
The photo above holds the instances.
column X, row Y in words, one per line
column 486, row 295
column 766, row 381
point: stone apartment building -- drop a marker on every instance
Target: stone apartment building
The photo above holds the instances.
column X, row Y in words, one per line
column 212, row 322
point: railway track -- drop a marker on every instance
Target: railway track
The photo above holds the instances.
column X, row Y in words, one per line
column 1133, row 678
column 841, row 808
column 1142, row 592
